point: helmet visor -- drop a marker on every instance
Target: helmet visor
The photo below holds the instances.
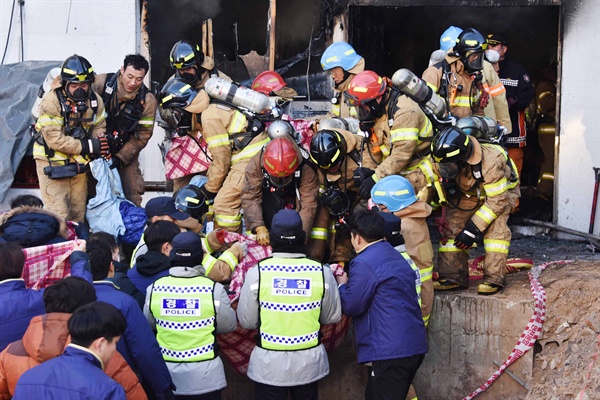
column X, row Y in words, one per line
column 474, row 61
column 449, row 170
column 281, row 182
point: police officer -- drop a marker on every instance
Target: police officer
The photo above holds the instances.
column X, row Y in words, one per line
column 287, row 297
column 278, row 178
column 394, row 194
column 70, row 132
column 131, row 108
column 188, row 310
column 480, row 182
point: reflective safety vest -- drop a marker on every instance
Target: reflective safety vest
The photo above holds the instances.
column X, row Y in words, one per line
column 185, row 318
column 290, row 295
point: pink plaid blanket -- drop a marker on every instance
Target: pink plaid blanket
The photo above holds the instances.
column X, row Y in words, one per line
column 45, row 265
column 185, row 157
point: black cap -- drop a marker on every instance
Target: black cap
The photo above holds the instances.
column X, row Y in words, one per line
column 392, row 231
column 164, row 205
column 496, row 38
column 287, row 225
column 187, row 250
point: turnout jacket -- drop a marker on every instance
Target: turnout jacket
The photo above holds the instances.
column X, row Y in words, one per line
column 51, row 124
column 305, row 197
column 410, row 133
column 143, row 132
column 499, row 181
column 497, row 107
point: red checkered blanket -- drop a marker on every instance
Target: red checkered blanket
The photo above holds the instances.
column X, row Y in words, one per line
column 185, row 157
column 45, row 265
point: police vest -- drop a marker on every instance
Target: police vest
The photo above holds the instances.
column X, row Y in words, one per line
column 290, row 296
column 185, row 318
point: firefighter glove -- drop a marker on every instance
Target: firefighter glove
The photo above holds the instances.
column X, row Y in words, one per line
column 467, row 237
column 365, row 187
column 243, row 247
column 95, row 147
column 262, row 235
column 361, row 174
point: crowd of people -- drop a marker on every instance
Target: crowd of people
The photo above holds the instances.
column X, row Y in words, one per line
column 355, row 192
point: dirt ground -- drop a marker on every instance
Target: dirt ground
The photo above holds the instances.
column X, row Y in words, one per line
column 566, row 357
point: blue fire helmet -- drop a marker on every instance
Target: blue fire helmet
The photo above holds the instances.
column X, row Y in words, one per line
column 339, row 54
column 448, row 38
column 395, row 192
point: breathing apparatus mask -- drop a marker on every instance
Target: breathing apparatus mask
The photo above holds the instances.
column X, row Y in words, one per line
column 448, row 172
column 190, row 77
column 473, row 61
column 336, row 202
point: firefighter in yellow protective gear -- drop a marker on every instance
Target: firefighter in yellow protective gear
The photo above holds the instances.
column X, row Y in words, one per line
column 70, row 132
column 395, row 194
column 130, row 108
column 336, row 153
column 467, row 82
column 232, row 143
column 400, row 133
column 481, row 186
column 344, row 63
column 194, row 67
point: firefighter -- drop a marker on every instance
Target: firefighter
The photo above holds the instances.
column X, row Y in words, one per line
column 278, row 178
column 465, row 80
column 481, row 186
column 400, row 132
column 395, row 194
column 344, row 63
column 131, row 108
column 70, row 132
column 194, row 67
column 336, row 154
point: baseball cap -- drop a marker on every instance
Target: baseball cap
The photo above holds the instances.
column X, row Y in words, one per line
column 187, row 250
column 164, row 205
column 496, row 38
column 287, row 225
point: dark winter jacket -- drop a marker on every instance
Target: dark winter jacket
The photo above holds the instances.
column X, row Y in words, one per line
column 124, row 284
column 148, row 268
column 138, row 344
column 19, row 304
column 382, row 299
column 32, row 226
column 76, row 374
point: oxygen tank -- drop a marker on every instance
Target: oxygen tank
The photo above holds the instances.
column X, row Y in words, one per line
column 418, row 90
column 482, row 128
column 349, row 124
column 229, row 92
column 44, row 88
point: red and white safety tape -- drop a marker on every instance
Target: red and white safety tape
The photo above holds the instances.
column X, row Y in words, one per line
column 533, row 329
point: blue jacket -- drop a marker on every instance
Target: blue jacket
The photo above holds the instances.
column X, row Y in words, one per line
column 19, row 304
column 138, row 345
column 382, row 299
column 76, row 374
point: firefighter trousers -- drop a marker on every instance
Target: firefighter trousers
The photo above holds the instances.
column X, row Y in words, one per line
column 453, row 262
column 67, row 196
column 228, row 202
